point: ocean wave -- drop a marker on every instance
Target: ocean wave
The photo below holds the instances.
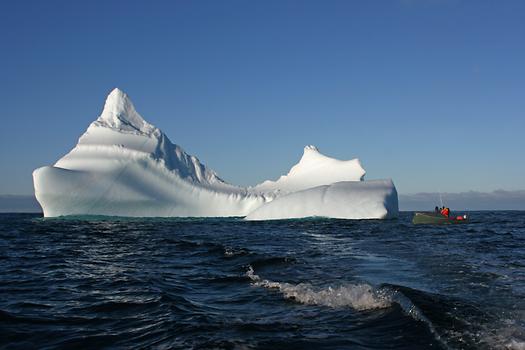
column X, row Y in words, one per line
column 360, row 297
column 412, row 310
column 222, row 284
column 357, row 296
column 508, row 334
column 272, row 261
column 515, row 345
column 231, row 252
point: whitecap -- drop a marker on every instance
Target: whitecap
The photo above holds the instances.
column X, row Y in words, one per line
column 357, row 296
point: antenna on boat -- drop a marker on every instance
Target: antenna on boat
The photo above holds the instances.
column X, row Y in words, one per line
column 440, row 199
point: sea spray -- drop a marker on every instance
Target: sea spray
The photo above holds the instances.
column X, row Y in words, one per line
column 357, row 296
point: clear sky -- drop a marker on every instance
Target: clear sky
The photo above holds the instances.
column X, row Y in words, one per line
column 429, row 93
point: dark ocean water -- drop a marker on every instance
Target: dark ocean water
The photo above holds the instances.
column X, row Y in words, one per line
column 226, row 283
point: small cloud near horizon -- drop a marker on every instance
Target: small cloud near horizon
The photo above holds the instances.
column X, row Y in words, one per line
column 471, row 200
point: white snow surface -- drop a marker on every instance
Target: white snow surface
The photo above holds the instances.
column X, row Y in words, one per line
column 376, row 199
column 314, row 169
column 124, row 166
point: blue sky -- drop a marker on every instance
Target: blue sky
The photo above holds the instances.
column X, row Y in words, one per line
column 429, row 93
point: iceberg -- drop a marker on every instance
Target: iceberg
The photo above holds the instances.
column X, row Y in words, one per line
column 124, row 166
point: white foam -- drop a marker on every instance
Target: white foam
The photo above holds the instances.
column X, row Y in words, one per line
column 515, row 345
column 507, row 334
column 357, row 296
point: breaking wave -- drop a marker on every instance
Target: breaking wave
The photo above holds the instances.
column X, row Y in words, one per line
column 515, row 345
column 360, row 297
column 357, row 296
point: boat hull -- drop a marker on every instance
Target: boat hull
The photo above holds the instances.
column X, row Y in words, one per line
column 435, row 219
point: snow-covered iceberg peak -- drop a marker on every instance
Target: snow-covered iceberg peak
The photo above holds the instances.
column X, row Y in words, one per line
column 119, row 113
column 120, row 134
column 315, row 169
column 313, row 160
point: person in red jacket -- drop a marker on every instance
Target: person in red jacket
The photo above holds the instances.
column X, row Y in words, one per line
column 445, row 211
